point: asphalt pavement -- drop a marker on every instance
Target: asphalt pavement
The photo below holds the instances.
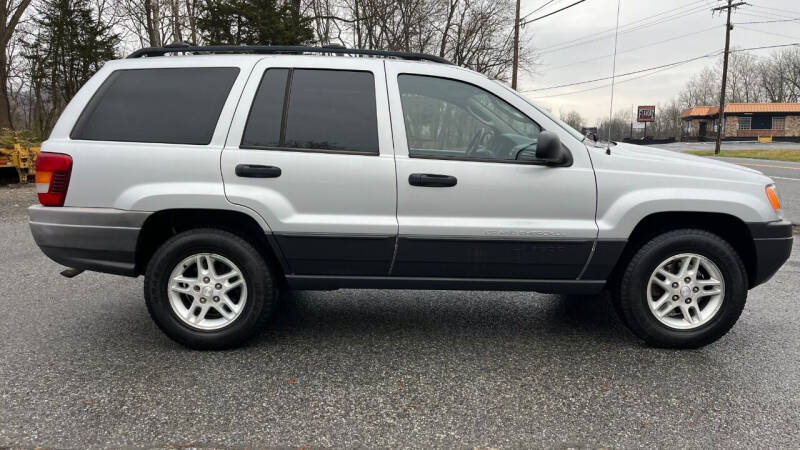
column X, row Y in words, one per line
column 83, row 366
column 730, row 145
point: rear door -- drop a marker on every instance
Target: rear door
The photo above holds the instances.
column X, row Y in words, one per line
column 472, row 202
column 310, row 150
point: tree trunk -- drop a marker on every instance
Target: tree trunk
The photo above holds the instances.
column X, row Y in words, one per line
column 191, row 8
column 152, row 22
column 5, row 104
column 176, row 21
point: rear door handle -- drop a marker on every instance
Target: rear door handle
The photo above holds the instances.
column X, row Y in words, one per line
column 431, row 180
column 256, row 171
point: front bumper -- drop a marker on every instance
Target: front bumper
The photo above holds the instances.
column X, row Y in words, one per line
column 773, row 245
column 99, row 239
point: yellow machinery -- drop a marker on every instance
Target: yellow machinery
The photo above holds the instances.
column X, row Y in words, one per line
column 21, row 158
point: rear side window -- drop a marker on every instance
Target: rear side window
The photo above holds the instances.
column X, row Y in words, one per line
column 326, row 110
column 167, row 105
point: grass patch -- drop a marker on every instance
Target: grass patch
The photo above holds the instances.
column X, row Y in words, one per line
column 774, row 155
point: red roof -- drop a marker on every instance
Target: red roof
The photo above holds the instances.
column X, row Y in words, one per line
column 700, row 111
column 762, row 108
column 734, row 108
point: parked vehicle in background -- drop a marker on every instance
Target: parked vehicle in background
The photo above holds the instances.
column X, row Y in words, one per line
column 226, row 178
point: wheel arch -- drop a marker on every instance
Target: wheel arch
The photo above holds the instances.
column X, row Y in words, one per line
column 161, row 225
column 730, row 228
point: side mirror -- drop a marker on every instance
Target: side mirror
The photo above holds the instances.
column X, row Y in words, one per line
column 550, row 150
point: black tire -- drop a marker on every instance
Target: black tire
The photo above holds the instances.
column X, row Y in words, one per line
column 631, row 296
column 260, row 282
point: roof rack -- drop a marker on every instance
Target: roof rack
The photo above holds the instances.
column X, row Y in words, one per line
column 283, row 50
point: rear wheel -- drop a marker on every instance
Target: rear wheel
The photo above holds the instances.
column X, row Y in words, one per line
column 682, row 289
column 209, row 289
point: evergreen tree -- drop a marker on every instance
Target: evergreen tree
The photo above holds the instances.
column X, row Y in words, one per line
column 254, row 22
column 69, row 46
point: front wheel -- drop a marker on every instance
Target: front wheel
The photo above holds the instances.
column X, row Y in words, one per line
column 209, row 289
column 683, row 289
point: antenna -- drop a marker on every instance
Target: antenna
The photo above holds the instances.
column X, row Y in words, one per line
column 613, row 78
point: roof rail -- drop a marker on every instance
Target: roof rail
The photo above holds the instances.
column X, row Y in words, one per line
column 281, row 49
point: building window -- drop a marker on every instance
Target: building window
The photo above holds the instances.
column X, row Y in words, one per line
column 745, row 123
column 778, row 123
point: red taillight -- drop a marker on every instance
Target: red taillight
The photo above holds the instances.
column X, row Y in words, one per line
column 52, row 178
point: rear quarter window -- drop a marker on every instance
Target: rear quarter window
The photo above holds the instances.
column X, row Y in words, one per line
column 165, row 105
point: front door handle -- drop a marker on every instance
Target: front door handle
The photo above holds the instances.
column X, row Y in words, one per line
column 431, row 180
column 256, row 171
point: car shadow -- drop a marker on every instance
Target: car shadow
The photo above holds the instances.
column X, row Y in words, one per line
column 445, row 314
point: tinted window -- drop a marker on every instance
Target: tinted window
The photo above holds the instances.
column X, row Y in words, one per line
column 451, row 119
column 332, row 110
column 172, row 106
column 263, row 127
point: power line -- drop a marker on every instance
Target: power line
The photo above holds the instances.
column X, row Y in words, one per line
column 767, row 21
column 554, row 12
column 791, row 44
column 536, row 10
column 606, row 85
column 794, row 44
column 627, row 28
column 776, row 9
column 770, row 32
column 690, row 4
column 717, row 52
column 636, row 48
column 760, row 16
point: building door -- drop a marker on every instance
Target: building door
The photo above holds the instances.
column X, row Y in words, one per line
column 702, row 132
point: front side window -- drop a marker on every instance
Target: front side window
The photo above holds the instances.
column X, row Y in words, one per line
column 451, row 119
column 326, row 110
column 166, row 105
column 778, row 123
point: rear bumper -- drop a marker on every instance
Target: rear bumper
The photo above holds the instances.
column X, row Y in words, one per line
column 773, row 245
column 99, row 239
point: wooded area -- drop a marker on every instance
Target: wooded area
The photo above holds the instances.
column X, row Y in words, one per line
column 50, row 48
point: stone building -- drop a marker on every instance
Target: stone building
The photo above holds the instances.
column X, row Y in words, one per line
column 743, row 121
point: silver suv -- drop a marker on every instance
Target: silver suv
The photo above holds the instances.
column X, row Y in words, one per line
column 227, row 178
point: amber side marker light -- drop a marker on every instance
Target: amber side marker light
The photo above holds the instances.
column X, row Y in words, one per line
column 52, row 178
column 772, row 195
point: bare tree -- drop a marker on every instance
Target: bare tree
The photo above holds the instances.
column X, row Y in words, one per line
column 472, row 33
column 573, row 119
column 744, row 84
column 12, row 12
column 702, row 89
column 780, row 76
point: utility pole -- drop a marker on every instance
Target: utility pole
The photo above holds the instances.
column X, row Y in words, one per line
column 728, row 27
column 515, row 65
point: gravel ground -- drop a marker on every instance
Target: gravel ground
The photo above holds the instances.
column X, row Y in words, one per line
column 15, row 200
column 82, row 365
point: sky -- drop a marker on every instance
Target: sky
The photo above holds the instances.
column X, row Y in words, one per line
column 566, row 40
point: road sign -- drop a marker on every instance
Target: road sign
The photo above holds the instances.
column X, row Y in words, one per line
column 646, row 114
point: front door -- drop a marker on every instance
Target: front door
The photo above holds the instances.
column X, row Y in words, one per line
column 306, row 152
column 472, row 201
column 702, row 131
